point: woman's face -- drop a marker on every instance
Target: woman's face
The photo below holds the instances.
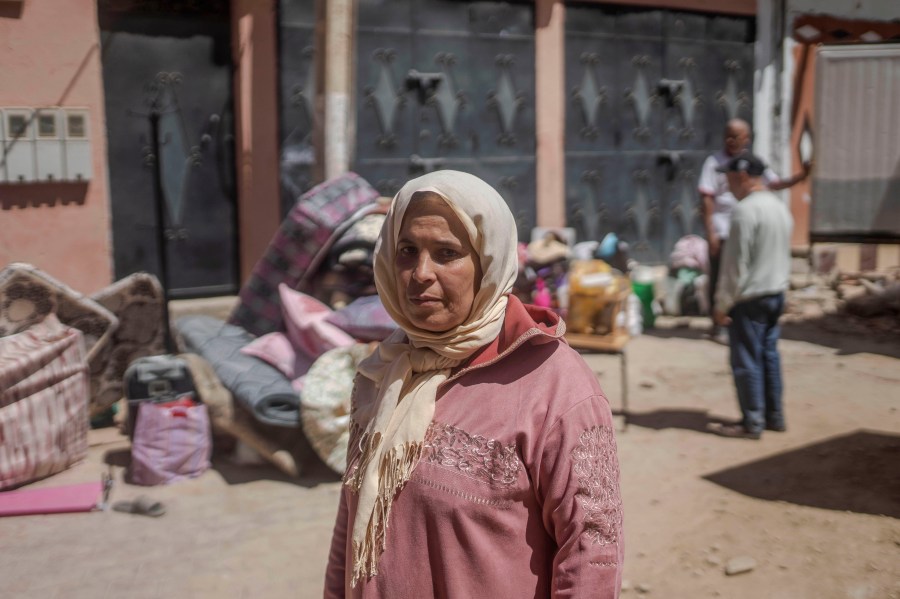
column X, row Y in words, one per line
column 436, row 266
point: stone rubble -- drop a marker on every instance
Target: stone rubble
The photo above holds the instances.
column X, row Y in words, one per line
column 740, row 565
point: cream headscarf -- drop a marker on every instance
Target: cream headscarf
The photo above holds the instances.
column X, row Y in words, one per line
column 410, row 364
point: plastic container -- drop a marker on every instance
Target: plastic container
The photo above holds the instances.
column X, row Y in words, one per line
column 542, row 296
column 642, row 283
column 644, row 292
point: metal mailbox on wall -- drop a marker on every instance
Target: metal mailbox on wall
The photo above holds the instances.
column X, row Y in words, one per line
column 77, row 145
column 44, row 144
column 19, row 128
column 48, row 145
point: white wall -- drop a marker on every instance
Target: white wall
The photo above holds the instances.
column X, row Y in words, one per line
column 767, row 108
column 774, row 70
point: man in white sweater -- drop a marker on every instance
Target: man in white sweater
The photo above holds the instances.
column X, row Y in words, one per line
column 755, row 271
column 718, row 202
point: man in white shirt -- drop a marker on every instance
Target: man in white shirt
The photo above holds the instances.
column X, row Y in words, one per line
column 718, row 201
column 755, row 271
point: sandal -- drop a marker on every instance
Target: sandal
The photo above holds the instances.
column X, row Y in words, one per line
column 142, row 505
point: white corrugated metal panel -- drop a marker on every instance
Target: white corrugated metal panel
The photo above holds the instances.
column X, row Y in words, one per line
column 856, row 184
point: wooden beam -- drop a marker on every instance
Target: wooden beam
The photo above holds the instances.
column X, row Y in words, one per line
column 729, row 7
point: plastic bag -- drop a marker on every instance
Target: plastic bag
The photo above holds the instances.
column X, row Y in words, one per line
column 594, row 291
column 171, row 443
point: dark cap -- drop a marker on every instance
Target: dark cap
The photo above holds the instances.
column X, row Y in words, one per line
column 745, row 162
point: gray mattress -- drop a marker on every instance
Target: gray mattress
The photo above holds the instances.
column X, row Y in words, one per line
column 264, row 391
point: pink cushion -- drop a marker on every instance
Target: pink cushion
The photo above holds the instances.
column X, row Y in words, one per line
column 276, row 349
column 365, row 319
column 307, row 328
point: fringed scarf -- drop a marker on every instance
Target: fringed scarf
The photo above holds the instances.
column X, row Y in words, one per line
column 410, row 365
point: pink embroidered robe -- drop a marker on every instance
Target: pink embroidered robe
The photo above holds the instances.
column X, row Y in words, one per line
column 517, row 491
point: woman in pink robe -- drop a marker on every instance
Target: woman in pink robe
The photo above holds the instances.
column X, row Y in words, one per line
column 482, row 461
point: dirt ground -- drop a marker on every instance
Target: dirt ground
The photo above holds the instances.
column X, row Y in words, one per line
column 816, row 507
column 815, row 510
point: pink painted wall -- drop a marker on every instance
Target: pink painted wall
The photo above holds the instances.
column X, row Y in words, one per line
column 254, row 36
column 50, row 56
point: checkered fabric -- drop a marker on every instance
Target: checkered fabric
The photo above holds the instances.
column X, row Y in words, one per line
column 299, row 246
column 43, row 402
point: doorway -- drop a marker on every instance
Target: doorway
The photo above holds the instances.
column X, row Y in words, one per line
column 167, row 75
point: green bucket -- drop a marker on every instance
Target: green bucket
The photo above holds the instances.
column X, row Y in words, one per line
column 644, row 292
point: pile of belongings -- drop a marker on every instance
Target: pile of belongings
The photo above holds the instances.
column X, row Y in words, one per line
column 688, row 281
column 305, row 318
column 63, row 356
column 543, row 268
column 545, row 263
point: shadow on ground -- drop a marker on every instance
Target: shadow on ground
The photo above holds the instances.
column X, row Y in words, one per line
column 313, row 471
column 677, row 332
column 845, row 333
column 856, row 472
column 692, row 420
column 679, row 327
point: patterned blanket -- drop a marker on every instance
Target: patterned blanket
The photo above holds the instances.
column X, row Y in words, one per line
column 317, row 221
column 43, row 402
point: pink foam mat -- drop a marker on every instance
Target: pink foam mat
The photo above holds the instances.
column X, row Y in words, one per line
column 52, row 500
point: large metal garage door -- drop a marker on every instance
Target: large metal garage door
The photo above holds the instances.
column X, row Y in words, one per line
column 297, row 87
column 447, row 84
column 649, row 92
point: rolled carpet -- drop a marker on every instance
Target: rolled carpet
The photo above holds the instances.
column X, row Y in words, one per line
column 264, row 391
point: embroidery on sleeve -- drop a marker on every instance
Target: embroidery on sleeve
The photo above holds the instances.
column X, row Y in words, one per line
column 474, row 455
column 597, row 469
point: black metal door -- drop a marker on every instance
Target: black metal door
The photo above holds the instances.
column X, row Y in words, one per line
column 649, row 94
column 168, row 86
column 447, row 85
column 297, row 73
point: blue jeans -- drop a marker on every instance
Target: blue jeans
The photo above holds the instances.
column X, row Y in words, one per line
column 755, row 362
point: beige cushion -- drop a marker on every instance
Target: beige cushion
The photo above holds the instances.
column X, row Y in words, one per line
column 137, row 302
column 28, row 295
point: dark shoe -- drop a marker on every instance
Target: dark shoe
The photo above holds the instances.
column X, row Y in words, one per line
column 143, row 505
column 719, row 335
column 736, row 431
column 778, row 428
column 722, row 337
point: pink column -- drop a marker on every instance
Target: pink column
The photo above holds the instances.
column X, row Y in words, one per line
column 256, row 108
column 550, row 112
